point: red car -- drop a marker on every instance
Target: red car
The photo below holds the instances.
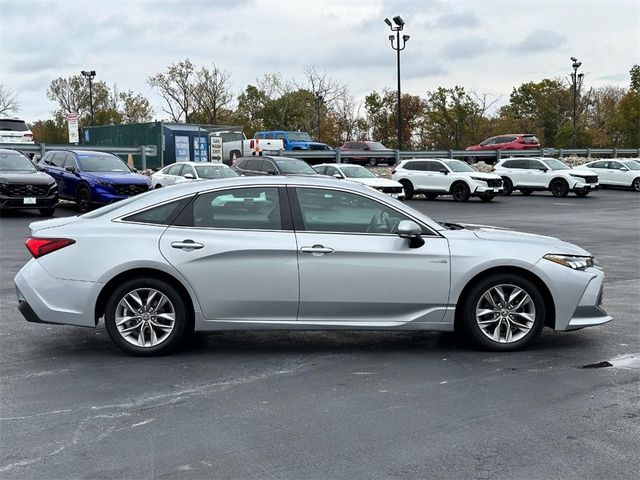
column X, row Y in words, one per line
column 366, row 145
column 511, row 141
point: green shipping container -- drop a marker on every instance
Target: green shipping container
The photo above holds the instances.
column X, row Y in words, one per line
column 135, row 134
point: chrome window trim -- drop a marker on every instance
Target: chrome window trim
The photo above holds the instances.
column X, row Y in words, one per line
column 121, row 219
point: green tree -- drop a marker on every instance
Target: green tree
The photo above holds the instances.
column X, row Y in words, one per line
column 134, row 108
column 53, row 130
column 635, row 77
column 381, row 111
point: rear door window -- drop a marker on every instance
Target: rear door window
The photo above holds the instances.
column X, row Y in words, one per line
column 174, row 169
column 253, row 165
column 536, row 165
column 59, row 159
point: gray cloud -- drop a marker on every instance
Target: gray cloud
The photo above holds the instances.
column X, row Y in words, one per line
column 465, row 48
column 539, row 41
column 466, row 19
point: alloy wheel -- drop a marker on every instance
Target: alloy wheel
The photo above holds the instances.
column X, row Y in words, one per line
column 505, row 313
column 636, row 184
column 145, row 317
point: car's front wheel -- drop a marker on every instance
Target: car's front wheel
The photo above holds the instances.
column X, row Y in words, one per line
column 636, row 184
column 508, row 186
column 559, row 188
column 407, row 186
column 460, row 192
column 83, row 199
column 145, row 317
column 503, row 312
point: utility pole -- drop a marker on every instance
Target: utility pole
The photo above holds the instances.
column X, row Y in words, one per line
column 399, row 25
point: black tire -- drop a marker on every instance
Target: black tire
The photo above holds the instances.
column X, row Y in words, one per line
column 47, row 212
column 486, row 198
column 431, row 196
column 473, row 298
column 83, row 199
column 373, row 162
column 636, row 184
column 559, row 188
column 582, row 193
column 460, row 192
column 526, row 191
column 408, row 189
column 158, row 186
column 507, row 185
column 180, row 328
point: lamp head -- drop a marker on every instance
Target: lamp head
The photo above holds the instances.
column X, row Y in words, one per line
column 406, row 37
column 387, row 21
column 398, row 21
column 574, row 59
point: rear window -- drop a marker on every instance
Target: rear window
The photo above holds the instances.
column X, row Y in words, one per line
column 160, row 215
column 13, row 125
column 530, row 139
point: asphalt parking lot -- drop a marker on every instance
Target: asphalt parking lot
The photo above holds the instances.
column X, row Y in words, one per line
column 346, row 405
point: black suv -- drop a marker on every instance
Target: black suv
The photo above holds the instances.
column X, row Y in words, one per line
column 260, row 165
column 22, row 186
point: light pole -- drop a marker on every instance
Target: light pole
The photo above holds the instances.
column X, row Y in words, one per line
column 576, row 80
column 399, row 25
column 90, row 74
column 319, row 100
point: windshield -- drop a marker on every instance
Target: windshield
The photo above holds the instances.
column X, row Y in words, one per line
column 230, row 136
column 458, row 166
column 299, row 136
column 101, row 163
column 292, row 165
column 357, row 171
column 554, row 164
column 210, row 171
column 632, row 165
column 15, row 162
column 376, row 146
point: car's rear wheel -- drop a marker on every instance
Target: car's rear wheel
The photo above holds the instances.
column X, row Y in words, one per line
column 47, row 212
column 526, row 191
column 559, row 188
column 507, row 185
column 83, row 199
column 460, row 192
column 503, row 312
column 431, row 196
column 636, row 184
column 408, row 189
column 145, row 317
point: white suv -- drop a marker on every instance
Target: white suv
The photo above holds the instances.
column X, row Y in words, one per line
column 445, row 177
column 13, row 130
column 541, row 173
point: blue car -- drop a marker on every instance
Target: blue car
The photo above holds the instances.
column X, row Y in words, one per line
column 92, row 178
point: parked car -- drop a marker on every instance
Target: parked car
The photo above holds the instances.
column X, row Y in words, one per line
column 616, row 173
column 14, row 130
column 22, row 186
column 186, row 171
column 445, row 177
column 92, row 178
column 261, row 165
column 290, row 263
column 357, row 173
column 229, row 145
column 538, row 174
column 367, row 146
column 511, row 141
column 293, row 140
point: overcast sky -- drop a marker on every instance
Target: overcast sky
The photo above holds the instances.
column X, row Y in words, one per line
column 488, row 46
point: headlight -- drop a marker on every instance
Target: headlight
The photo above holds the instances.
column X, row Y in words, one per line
column 103, row 183
column 576, row 262
column 577, row 176
column 479, row 179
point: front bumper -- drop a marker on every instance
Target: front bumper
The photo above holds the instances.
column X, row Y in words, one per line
column 106, row 195
column 481, row 190
column 15, row 203
column 46, row 299
column 585, row 187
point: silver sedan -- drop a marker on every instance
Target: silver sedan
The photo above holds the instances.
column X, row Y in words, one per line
column 298, row 253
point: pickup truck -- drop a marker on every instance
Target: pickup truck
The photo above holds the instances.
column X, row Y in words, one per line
column 225, row 146
column 293, row 140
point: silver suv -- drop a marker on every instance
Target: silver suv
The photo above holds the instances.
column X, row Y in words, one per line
column 542, row 173
column 445, row 177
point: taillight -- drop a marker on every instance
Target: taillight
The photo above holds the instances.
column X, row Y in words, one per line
column 251, row 144
column 393, row 171
column 493, row 169
column 27, row 137
column 41, row 246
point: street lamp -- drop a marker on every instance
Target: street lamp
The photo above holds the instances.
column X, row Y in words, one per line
column 319, row 100
column 576, row 80
column 399, row 25
column 90, row 74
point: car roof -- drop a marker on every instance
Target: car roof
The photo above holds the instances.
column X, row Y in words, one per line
column 81, row 152
column 216, row 164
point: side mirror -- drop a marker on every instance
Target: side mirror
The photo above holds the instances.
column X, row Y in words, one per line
column 272, row 172
column 338, row 176
column 624, row 169
column 190, row 176
column 412, row 231
column 70, row 169
column 446, row 172
column 543, row 169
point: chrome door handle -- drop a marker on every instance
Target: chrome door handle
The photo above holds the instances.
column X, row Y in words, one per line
column 316, row 249
column 187, row 245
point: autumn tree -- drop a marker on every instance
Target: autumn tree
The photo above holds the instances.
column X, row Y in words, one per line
column 212, row 95
column 177, row 86
column 382, row 115
column 135, row 108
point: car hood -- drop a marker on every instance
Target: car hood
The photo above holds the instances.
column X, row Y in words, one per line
column 33, row 178
column 486, row 176
column 376, row 182
column 581, row 171
column 126, row 178
column 498, row 234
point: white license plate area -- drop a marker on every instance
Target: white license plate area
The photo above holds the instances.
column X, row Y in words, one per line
column 29, row 201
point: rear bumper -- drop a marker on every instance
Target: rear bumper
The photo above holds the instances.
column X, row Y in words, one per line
column 46, row 299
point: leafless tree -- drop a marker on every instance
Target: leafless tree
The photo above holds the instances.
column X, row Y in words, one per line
column 212, row 92
column 8, row 102
column 177, row 87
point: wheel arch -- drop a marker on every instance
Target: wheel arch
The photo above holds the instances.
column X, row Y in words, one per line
column 145, row 272
column 459, row 181
column 550, row 320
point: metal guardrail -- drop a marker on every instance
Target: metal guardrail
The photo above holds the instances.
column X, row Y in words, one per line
column 338, row 156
